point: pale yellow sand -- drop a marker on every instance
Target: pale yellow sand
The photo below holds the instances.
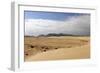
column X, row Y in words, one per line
column 68, row 53
column 69, row 48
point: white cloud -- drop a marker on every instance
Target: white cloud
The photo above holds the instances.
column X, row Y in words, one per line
column 76, row 25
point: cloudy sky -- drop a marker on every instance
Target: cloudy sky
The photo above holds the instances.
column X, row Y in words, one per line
column 37, row 23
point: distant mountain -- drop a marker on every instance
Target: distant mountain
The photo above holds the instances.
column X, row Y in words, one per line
column 29, row 36
column 60, row 34
column 55, row 34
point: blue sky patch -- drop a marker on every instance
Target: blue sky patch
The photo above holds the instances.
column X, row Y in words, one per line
column 60, row 16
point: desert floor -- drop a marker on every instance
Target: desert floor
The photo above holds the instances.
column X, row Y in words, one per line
column 56, row 48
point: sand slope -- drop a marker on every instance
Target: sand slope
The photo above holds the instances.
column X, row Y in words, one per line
column 62, row 53
column 73, row 52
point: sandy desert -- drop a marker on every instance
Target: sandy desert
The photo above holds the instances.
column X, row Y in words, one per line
column 56, row 48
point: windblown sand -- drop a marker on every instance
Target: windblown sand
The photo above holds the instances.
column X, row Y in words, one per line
column 56, row 48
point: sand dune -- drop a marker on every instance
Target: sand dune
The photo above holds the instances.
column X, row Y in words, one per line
column 62, row 53
column 37, row 49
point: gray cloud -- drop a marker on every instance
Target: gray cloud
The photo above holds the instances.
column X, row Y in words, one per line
column 77, row 25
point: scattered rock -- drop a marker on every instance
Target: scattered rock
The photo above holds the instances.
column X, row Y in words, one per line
column 44, row 50
column 56, row 48
column 26, row 54
column 32, row 46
